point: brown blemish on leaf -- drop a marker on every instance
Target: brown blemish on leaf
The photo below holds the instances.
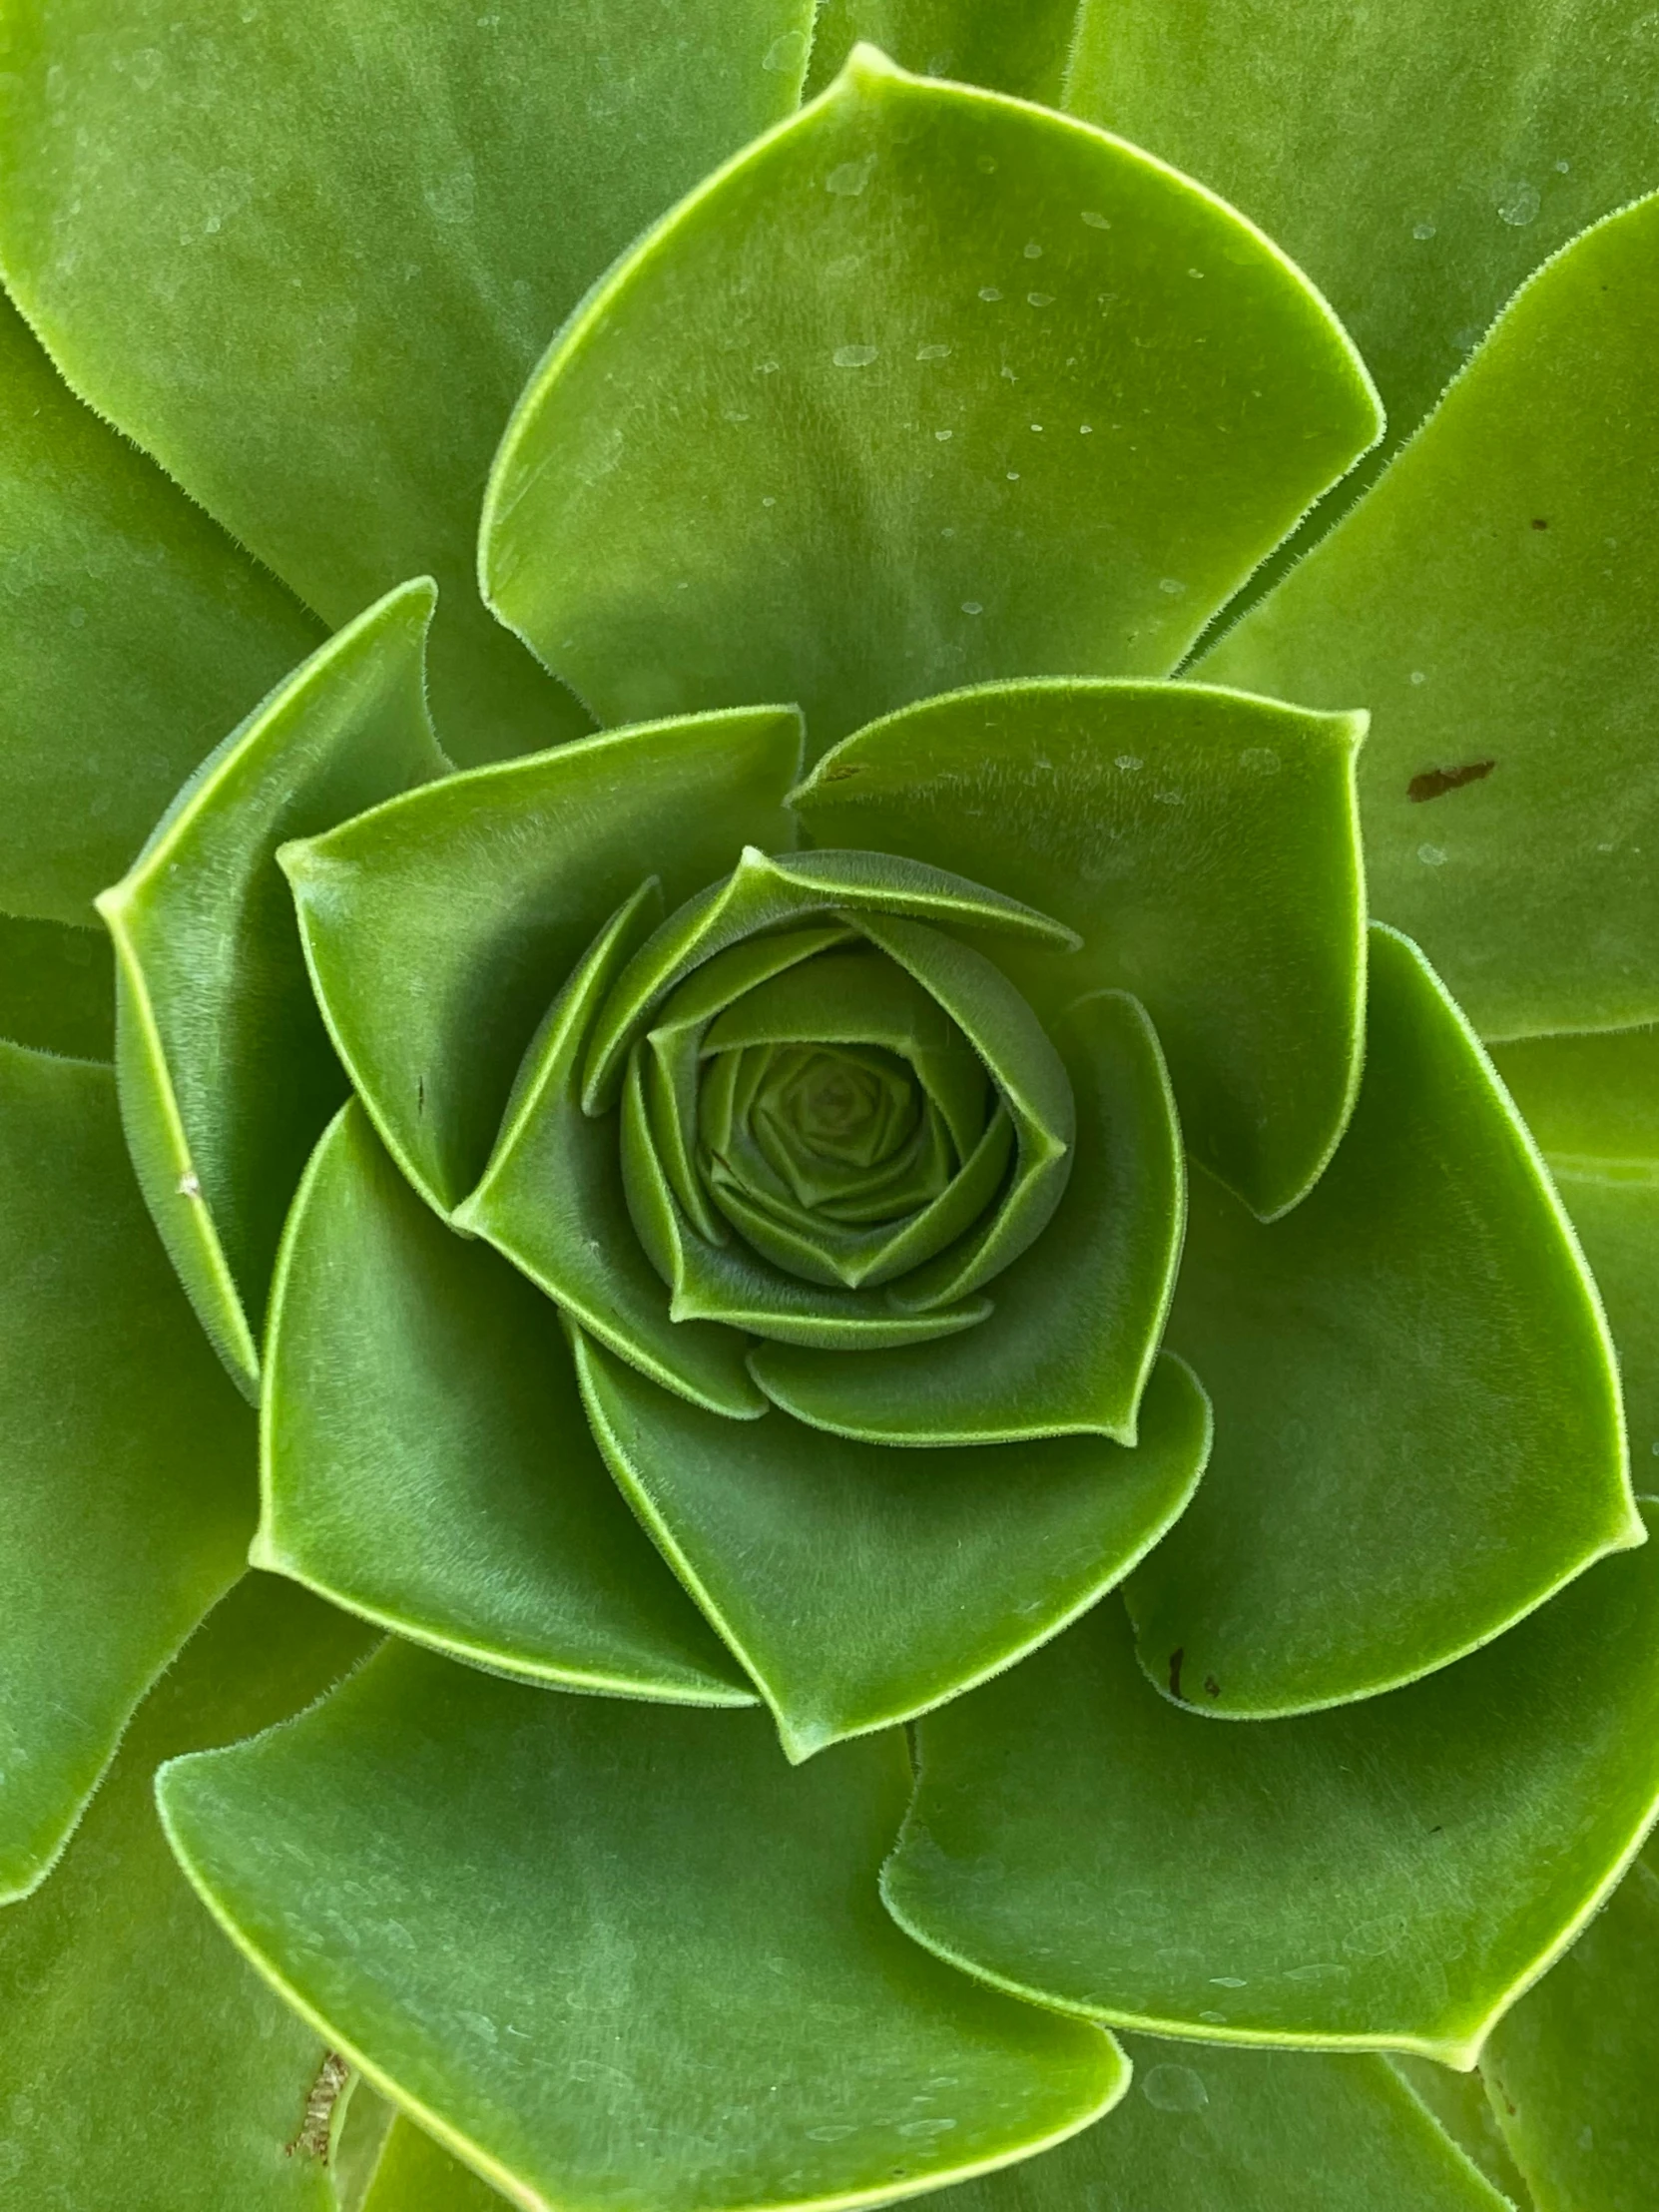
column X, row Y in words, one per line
column 1540, row 522
column 1175, row 1659
column 320, row 2099
column 1211, row 1686
column 420, row 1095
column 840, row 774
column 1435, row 783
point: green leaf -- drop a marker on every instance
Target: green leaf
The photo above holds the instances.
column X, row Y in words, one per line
column 142, row 2062
column 415, row 2174
column 1460, row 2105
column 734, row 1285
column 294, row 253
column 131, row 620
column 426, row 1457
column 57, row 988
column 1391, row 1873
column 1593, row 1104
column 225, row 1072
column 128, row 1498
column 1419, row 160
column 1418, row 1433
column 1486, row 600
column 859, row 1585
column 1218, row 2130
column 491, row 1893
column 440, row 926
column 1571, row 2071
column 1591, row 1101
column 1203, row 846
column 1076, row 1320
column 863, row 370
column 552, row 1198
column 1021, row 50
column 765, row 892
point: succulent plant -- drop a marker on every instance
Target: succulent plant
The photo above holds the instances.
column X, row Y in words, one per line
column 802, row 1395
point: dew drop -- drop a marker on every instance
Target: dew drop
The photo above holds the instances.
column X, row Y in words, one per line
column 856, row 357
column 1418, row 676
column 1172, row 585
column 1431, row 855
column 1033, row 252
column 989, row 291
column 786, row 52
column 1039, row 299
column 1520, row 204
column 849, row 179
column 1170, row 2089
column 942, row 436
column 1013, row 476
column 972, row 607
column 1096, row 221
column 1424, row 230
column 933, row 353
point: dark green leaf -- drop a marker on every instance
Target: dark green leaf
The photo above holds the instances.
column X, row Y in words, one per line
column 494, row 1895
column 1570, row 2071
column 143, row 2063
column 57, row 988
column 307, row 256
column 1460, row 2105
column 427, row 1461
column 131, row 622
column 440, row 926
column 225, row 1072
column 1077, row 1320
column 1215, row 2131
column 1391, row 1873
column 1417, row 1423
column 1203, row 846
column 1488, row 602
column 866, row 371
column 127, row 1492
column 861, row 1586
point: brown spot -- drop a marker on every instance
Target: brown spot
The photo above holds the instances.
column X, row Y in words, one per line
column 1211, row 1686
column 420, row 1095
column 840, row 774
column 313, row 2139
column 1540, row 522
column 1175, row 1659
column 1437, row 1830
column 1435, row 783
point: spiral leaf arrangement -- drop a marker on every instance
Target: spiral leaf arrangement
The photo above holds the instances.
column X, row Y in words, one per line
column 907, row 1256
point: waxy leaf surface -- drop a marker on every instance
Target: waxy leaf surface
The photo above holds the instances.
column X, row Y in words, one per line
column 113, row 1982
column 1202, row 846
column 989, row 394
column 1419, row 160
column 1486, row 600
column 307, row 255
column 1076, row 1320
column 1391, row 1873
column 492, row 1895
column 1218, row 2130
column 1571, row 2071
column 440, row 926
column 861, row 1586
column 135, row 635
column 1459, row 2104
column 426, row 1457
column 417, row 2174
column 1418, row 1425
column 56, row 987
column 225, row 1072
column 128, row 1496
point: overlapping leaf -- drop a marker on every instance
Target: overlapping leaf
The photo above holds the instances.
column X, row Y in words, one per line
column 492, row 1895
column 989, row 394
